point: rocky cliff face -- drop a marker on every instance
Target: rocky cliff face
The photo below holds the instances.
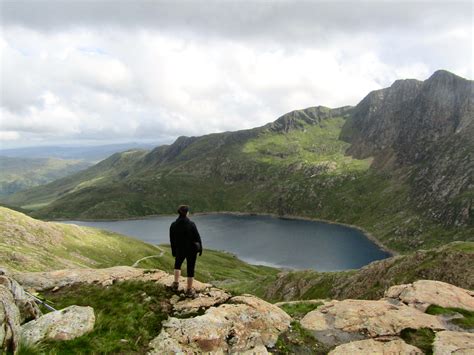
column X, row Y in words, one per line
column 426, row 131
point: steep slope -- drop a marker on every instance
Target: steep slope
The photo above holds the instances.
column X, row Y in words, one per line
column 18, row 174
column 29, row 244
column 398, row 165
column 426, row 128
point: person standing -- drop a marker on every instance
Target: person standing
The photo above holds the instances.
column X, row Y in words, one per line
column 185, row 244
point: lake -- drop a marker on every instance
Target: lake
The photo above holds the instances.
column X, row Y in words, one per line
column 264, row 240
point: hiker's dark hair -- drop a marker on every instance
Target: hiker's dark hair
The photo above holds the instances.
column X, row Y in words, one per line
column 183, row 210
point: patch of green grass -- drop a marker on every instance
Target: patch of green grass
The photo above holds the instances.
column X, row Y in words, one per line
column 128, row 316
column 300, row 309
column 298, row 340
column 421, row 338
column 466, row 322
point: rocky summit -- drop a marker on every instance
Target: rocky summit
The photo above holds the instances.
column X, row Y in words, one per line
column 216, row 322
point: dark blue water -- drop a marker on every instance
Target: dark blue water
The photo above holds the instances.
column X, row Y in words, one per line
column 264, row 240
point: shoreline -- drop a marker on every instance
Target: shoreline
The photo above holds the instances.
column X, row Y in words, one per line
column 367, row 234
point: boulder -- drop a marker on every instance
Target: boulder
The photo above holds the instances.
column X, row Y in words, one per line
column 449, row 342
column 339, row 322
column 203, row 300
column 376, row 346
column 66, row 324
column 244, row 324
column 421, row 294
column 9, row 321
column 28, row 308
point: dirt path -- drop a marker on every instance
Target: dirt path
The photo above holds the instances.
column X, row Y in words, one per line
column 149, row 257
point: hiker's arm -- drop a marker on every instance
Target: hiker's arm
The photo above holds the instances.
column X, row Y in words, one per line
column 172, row 241
column 197, row 238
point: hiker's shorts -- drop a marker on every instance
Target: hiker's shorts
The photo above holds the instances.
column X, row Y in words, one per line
column 190, row 263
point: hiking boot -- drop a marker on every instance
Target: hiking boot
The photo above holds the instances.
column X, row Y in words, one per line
column 191, row 292
column 175, row 286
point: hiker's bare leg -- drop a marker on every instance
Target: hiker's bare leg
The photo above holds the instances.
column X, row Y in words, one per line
column 177, row 274
column 190, row 282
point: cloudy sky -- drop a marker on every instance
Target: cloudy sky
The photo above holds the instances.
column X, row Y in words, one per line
column 97, row 72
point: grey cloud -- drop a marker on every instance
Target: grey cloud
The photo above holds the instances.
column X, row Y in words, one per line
column 280, row 20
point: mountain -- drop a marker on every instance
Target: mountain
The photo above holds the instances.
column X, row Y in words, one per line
column 88, row 153
column 18, row 174
column 399, row 165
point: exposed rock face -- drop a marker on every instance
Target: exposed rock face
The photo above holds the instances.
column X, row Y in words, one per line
column 427, row 127
column 9, row 321
column 338, row 322
column 203, row 300
column 311, row 115
column 245, row 323
column 372, row 346
column 448, row 342
column 28, row 308
column 421, row 294
column 66, row 324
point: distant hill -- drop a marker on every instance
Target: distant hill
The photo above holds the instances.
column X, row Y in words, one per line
column 18, row 174
column 399, row 164
column 87, row 153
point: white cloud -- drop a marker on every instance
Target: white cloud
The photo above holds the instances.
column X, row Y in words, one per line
column 90, row 81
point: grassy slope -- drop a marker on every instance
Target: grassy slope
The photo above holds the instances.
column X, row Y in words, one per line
column 129, row 315
column 27, row 244
column 18, row 174
column 301, row 172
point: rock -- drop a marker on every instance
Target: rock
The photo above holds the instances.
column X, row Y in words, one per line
column 245, row 323
column 338, row 322
column 421, row 294
column 203, row 300
column 56, row 279
column 48, row 280
column 28, row 308
column 374, row 346
column 449, row 342
column 66, row 324
column 9, row 321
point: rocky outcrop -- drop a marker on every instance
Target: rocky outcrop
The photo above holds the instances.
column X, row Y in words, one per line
column 372, row 346
column 244, row 323
column 9, row 321
column 203, row 300
column 16, row 307
column 338, row 322
column 448, row 342
column 28, row 308
column 297, row 119
column 421, row 294
column 427, row 129
column 48, row 280
column 66, row 324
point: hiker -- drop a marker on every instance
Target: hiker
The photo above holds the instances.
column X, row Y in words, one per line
column 185, row 244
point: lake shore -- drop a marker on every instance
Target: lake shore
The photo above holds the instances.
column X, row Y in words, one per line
column 369, row 235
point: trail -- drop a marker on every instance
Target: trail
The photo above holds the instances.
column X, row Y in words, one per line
column 149, row 257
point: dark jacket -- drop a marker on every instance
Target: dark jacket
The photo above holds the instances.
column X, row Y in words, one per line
column 184, row 237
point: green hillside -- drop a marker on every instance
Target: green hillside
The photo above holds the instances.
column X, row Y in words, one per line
column 18, row 174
